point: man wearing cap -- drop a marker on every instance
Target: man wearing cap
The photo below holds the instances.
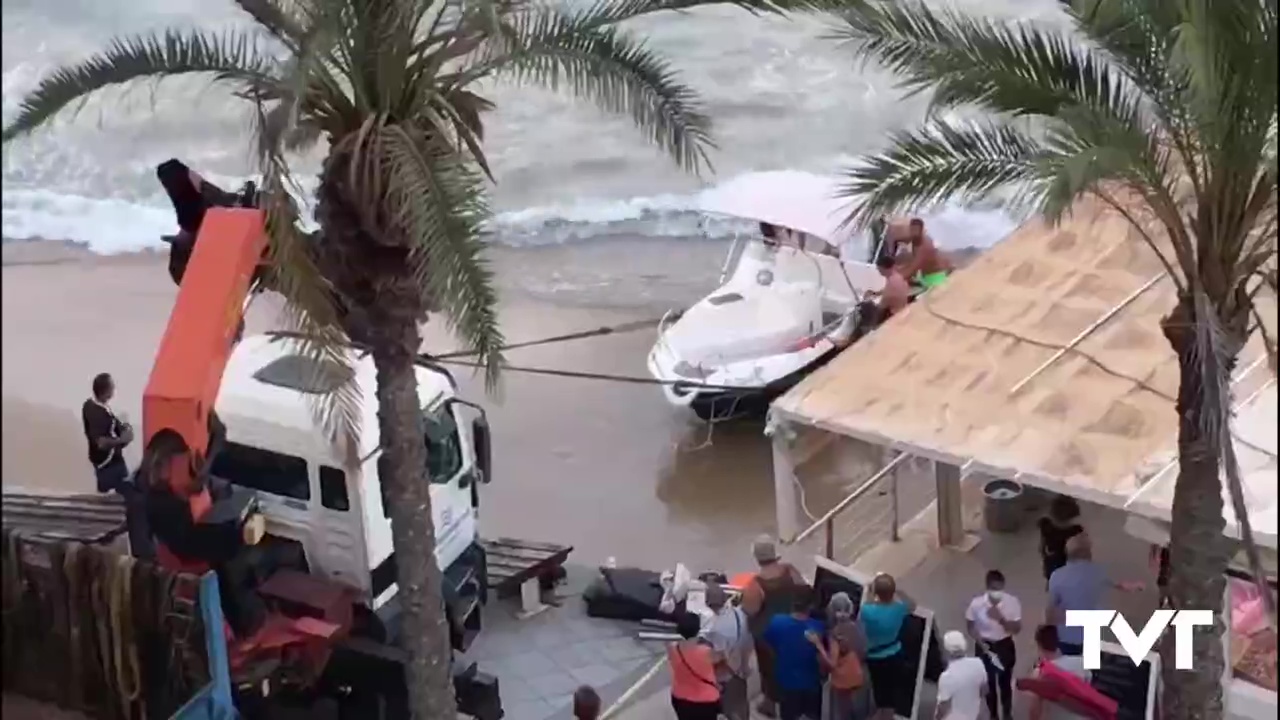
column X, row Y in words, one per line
column 730, row 641
column 962, row 685
column 771, row 592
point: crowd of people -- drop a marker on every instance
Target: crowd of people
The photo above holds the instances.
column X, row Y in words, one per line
column 844, row 660
column 813, row 662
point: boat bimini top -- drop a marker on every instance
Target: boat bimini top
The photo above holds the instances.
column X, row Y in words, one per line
column 800, row 201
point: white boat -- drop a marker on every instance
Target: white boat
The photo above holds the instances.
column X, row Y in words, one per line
column 784, row 306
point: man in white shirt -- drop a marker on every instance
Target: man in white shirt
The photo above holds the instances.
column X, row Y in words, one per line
column 993, row 618
column 962, row 684
column 731, row 643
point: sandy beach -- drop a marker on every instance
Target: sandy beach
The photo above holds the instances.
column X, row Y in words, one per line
column 609, row 468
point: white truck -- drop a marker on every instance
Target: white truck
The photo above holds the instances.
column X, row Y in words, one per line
column 335, row 511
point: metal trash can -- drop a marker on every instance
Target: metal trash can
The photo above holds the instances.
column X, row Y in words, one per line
column 1002, row 508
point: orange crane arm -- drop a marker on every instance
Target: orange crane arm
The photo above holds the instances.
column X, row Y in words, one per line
column 198, row 341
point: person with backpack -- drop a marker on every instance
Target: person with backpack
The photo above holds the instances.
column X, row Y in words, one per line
column 843, row 654
column 770, row 593
column 695, row 694
column 730, row 641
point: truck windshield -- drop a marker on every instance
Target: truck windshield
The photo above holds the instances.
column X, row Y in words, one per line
column 444, row 448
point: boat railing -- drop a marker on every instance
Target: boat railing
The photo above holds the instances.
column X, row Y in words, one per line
column 827, row 523
column 668, row 317
column 731, row 260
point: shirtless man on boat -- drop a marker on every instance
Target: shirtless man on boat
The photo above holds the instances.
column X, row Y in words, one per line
column 925, row 265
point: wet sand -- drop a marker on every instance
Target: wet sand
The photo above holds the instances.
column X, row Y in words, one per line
column 607, row 467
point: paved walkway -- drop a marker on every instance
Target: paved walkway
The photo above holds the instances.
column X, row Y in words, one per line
column 946, row 580
column 540, row 661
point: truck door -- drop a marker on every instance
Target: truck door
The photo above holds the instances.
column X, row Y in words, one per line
column 339, row 536
column 451, row 466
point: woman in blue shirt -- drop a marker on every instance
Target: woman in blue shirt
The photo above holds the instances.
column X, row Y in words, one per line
column 881, row 620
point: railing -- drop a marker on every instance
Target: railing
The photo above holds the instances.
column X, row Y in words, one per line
column 827, row 521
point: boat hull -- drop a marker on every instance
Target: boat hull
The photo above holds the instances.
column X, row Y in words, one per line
column 749, row 402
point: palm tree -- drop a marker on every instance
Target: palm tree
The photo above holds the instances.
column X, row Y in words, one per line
column 1162, row 110
column 392, row 87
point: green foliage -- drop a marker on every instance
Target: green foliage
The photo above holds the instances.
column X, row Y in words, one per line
column 1162, row 100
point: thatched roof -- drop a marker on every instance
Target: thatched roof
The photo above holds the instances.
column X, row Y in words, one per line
column 938, row 380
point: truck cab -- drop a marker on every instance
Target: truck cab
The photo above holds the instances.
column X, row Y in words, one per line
column 330, row 504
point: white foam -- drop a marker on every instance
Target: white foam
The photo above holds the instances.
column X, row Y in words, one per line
column 110, row 226
column 107, row 226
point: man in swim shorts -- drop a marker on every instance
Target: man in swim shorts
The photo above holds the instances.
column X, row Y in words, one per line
column 926, row 265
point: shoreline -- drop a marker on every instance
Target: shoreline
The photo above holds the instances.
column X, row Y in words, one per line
column 608, row 468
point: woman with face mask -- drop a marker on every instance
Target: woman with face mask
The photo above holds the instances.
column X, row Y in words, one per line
column 993, row 618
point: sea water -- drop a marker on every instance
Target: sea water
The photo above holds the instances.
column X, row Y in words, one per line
column 782, row 95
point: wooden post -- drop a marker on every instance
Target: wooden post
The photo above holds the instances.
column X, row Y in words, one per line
column 784, row 488
column 950, row 505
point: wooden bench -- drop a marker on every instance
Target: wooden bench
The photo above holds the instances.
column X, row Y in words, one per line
column 524, row 566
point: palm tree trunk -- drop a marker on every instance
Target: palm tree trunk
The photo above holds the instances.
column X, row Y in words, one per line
column 1198, row 551
column 402, row 471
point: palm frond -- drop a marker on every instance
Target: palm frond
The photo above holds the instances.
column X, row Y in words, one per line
column 277, row 19
column 232, row 56
column 1106, row 151
column 605, row 13
column 463, row 110
column 1004, row 66
column 965, row 160
column 311, row 318
column 1138, row 38
column 607, row 67
column 309, row 311
column 437, row 202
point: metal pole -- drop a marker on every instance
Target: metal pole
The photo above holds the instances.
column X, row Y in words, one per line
column 1087, row 332
column 896, row 538
column 831, row 539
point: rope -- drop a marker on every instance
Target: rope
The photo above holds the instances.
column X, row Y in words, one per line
column 610, row 377
column 125, row 646
column 75, row 634
column 12, row 606
column 12, row 575
column 580, row 335
column 100, row 591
